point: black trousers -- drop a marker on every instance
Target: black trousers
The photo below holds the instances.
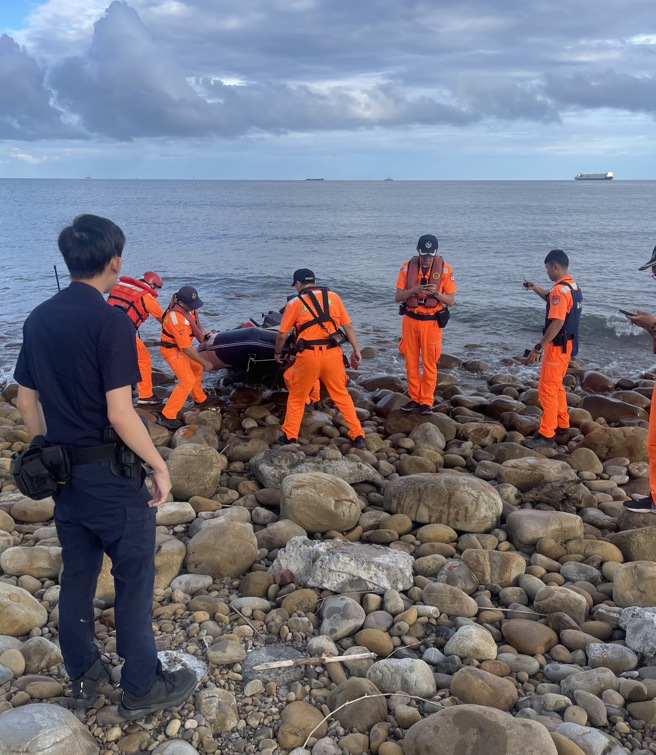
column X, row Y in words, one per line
column 97, row 512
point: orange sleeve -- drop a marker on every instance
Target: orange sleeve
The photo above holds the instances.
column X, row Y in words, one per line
column 448, row 281
column 152, row 307
column 559, row 303
column 402, row 282
column 290, row 315
column 180, row 329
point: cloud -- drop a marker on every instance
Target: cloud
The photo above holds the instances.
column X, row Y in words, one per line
column 17, row 154
column 26, row 109
column 609, row 89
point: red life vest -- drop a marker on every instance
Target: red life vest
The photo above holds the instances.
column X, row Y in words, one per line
column 168, row 340
column 128, row 295
column 416, row 278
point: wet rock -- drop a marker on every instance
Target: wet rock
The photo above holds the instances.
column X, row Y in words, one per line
column 195, row 470
column 473, row 686
column 460, row 501
column 427, row 434
column 405, row 422
column 611, row 409
column 199, row 434
column 382, row 382
column 473, row 729
column 223, row 548
column 330, row 565
column 319, row 502
column 46, row 730
column 19, row 611
column 597, row 382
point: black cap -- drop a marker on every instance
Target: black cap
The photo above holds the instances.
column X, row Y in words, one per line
column 189, row 296
column 651, row 263
column 427, row 244
column 303, row 276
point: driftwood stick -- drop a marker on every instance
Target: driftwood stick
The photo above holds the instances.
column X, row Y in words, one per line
column 314, row 661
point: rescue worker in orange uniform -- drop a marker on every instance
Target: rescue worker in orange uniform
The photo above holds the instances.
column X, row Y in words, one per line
column 647, row 322
column 425, row 289
column 179, row 327
column 322, row 323
column 559, row 342
column 138, row 299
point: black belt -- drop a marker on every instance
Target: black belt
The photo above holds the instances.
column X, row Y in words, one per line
column 106, row 452
column 302, row 344
column 165, row 345
column 416, row 316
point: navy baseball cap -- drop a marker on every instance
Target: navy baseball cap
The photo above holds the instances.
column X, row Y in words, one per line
column 303, row 276
column 189, row 296
column 427, row 244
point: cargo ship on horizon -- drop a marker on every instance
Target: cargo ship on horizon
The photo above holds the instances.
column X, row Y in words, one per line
column 594, row 176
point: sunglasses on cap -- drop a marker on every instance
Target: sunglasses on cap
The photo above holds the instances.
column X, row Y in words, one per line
column 424, row 253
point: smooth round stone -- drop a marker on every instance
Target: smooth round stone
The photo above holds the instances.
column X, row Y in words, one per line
column 376, row 641
column 191, row 583
column 518, row 663
column 529, row 637
column 576, row 572
column 226, row 652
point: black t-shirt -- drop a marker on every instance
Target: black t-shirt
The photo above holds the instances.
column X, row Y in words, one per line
column 76, row 348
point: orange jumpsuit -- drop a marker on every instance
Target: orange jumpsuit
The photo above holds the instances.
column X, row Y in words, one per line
column 555, row 362
column 145, row 362
column 317, row 363
column 422, row 339
column 177, row 332
column 651, row 444
column 315, row 393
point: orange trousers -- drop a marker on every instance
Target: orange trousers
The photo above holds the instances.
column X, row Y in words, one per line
column 421, row 339
column 651, row 444
column 551, row 391
column 145, row 386
column 190, row 375
column 326, row 365
column 315, row 393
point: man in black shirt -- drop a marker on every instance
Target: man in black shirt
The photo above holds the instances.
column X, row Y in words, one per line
column 75, row 373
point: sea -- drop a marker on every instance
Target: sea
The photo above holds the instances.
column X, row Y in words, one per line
column 239, row 242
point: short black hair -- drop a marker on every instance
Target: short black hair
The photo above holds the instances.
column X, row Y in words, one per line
column 89, row 244
column 558, row 257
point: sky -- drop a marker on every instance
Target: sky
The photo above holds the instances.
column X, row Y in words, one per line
column 339, row 89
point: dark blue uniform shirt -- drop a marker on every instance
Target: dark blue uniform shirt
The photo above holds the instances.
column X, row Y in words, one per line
column 76, row 348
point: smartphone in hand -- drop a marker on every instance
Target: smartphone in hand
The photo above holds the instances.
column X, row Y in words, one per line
column 628, row 314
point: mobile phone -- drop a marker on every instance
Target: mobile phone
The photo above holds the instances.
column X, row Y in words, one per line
column 527, row 352
column 628, row 314
column 525, row 284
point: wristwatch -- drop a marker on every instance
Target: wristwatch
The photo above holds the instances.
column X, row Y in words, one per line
column 538, row 347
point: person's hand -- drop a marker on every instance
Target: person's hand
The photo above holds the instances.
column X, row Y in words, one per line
column 161, row 486
column 643, row 320
column 529, row 285
column 278, row 357
column 430, row 288
column 207, row 365
column 534, row 356
column 356, row 359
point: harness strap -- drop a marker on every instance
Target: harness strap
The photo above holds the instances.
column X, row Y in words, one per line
column 321, row 311
column 415, row 316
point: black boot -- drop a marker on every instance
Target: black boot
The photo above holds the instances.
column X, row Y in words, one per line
column 170, row 690
column 85, row 687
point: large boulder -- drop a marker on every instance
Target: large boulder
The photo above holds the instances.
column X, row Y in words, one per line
column 478, row 687
column 319, row 502
column 27, row 510
column 169, row 558
column 200, row 434
column 20, row 613
column 613, row 442
column 495, row 567
column 195, row 470
column 612, row 409
column 409, row 675
column 270, row 467
column 463, row 502
column 41, row 729
column 477, row 730
column 332, row 564
column 634, row 584
column 364, row 713
column 532, row 471
column 40, row 562
column 449, row 599
column 223, row 548
column 405, row 422
column 636, row 545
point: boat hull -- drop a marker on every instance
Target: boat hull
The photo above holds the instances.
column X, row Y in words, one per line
column 246, row 349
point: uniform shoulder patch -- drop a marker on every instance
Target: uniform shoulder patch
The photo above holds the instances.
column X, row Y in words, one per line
column 555, row 300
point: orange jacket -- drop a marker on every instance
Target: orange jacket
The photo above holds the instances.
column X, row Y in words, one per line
column 136, row 299
column 177, row 331
column 446, row 285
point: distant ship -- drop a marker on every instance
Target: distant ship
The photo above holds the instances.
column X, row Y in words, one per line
column 594, row 177
column 389, row 179
column 314, row 179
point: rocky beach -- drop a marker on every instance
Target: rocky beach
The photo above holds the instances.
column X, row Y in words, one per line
column 445, row 590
